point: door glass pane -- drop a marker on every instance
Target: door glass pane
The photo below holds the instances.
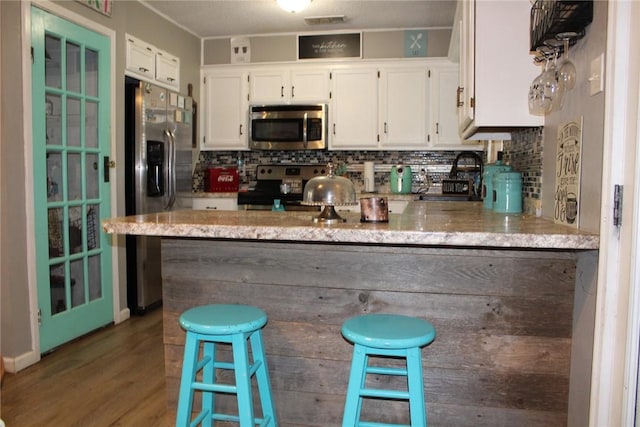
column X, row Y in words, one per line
column 57, row 286
column 73, row 67
column 91, row 124
column 73, row 122
column 54, row 176
column 91, row 72
column 56, row 238
column 53, row 105
column 75, row 229
column 93, row 232
column 76, row 268
column 95, row 273
column 92, row 176
column 74, row 176
column 52, row 62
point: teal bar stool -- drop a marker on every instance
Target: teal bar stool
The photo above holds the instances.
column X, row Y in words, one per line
column 386, row 335
column 233, row 324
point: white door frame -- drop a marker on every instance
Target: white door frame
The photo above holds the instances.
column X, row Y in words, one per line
column 615, row 353
column 34, row 356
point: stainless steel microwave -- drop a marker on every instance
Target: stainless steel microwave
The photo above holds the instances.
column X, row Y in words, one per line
column 288, row 127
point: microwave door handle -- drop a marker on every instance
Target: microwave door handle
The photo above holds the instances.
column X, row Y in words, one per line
column 304, row 131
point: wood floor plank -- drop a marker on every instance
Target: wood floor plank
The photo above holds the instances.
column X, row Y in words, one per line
column 112, row 377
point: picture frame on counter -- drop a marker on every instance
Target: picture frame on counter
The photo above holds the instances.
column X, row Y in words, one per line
column 323, row 46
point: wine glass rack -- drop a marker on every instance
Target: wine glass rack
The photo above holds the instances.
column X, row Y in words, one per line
column 552, row 17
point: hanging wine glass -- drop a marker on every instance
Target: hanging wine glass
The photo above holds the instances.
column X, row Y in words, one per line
column 535, row 90
column 567, row 69
column 551, row 90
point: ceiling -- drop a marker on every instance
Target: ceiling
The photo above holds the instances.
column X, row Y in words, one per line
column 217, row 18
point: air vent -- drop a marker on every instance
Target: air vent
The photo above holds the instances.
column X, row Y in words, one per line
column 324, row 20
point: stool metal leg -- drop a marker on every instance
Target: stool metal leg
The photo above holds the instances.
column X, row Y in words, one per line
column 262, row 376
column 185, row 397
column 357, row 378
column 416, row 388
column 243, row 379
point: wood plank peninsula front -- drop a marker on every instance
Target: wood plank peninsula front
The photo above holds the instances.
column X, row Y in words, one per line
column 505, row 293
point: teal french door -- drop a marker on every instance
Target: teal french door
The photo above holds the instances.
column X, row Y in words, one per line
column 71, row 108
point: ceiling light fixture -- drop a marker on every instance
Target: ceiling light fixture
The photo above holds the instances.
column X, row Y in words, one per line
column 293, row 6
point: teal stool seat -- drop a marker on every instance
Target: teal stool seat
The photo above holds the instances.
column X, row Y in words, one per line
column 393, row 336
column 232, row 324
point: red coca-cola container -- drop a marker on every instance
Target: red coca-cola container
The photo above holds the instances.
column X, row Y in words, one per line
column 221, row 180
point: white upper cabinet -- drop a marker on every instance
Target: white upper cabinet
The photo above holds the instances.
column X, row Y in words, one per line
column 167, row 68
column 354, row 109
column 495, row 67
column 140, row 58
column 404, row 108
column 146, row 62
column 444, row 125
column 289, row 86
column 225, row 112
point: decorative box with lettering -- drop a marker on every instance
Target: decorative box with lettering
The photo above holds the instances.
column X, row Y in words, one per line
column 221, row 180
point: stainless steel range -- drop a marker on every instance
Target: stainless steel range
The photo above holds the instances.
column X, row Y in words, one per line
column 283, row 182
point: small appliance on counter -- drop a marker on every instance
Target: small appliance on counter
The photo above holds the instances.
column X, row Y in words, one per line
column 400, row 179
column 473, row 173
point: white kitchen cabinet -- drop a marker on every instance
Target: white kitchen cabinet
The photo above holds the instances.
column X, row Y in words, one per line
column 225, row 112
column 278, row 85
column 444, row 125
column 380, row 107
column 354, row 109
column 146, row 62
column 496, row 68
column 167, row 69
column 404, row 108
column 215, row 203
column 140, row 58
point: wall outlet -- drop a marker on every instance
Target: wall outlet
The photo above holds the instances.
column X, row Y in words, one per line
column 596, row 75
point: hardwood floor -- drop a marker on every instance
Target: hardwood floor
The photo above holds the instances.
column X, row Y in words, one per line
column 113, row 377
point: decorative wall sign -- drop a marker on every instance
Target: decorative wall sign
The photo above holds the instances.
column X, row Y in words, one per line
column 415, row 43
column 102, row 6
column 568, row 171
column 329, row 46
column 240, row 50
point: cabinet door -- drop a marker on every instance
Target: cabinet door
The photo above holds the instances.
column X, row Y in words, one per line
column 215, row 203
column 167, row 69
column 354, row 109
column 140, row 58
column 404, row 107
column 269, row 86
column 465, row 95
column 225, row 110
column 310, row 85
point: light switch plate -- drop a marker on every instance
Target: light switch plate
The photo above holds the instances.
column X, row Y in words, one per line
column 596, row 75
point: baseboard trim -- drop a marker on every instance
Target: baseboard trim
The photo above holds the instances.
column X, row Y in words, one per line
column 16, row 364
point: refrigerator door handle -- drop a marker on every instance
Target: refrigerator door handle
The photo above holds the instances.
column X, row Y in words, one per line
column 171, row 171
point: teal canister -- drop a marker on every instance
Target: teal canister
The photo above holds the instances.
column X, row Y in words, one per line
column 487, row 181
column 507, row 192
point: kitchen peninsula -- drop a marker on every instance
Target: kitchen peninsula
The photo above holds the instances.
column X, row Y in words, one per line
column 501, row 290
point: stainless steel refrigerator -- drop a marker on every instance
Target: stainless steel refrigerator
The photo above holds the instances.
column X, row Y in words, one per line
column 158, row 147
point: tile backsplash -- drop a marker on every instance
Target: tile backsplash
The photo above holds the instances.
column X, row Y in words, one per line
column 523, row 152
column 428, row 167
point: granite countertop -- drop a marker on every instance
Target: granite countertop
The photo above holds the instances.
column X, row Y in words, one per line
column 421, row 224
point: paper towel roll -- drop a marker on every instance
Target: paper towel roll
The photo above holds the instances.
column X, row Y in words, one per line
column 369, row 177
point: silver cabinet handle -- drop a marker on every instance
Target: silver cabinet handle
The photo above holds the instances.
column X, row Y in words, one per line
column 240, row 129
